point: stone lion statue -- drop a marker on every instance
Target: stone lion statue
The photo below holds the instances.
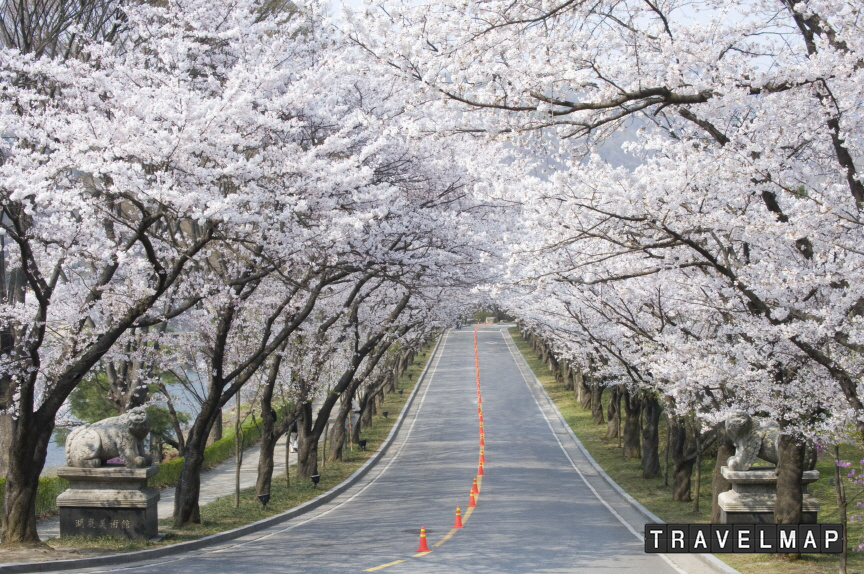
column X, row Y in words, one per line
column 760, row 442
column 90, row 446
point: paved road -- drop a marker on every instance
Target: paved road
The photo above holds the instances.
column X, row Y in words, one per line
column 535, row 512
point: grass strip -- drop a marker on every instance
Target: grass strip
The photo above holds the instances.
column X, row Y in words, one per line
column 657, row 497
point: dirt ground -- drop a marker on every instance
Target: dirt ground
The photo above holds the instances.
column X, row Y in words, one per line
column 43, row 552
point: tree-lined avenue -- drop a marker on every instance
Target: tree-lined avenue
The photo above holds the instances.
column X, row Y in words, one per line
column 535, row 513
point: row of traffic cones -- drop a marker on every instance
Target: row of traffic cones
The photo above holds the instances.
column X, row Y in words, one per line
column 475, row 489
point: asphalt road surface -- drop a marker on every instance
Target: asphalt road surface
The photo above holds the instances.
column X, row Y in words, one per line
column 535, row 513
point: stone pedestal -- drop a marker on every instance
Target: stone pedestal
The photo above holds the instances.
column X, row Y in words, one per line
column 753, row 494
column 108, row 501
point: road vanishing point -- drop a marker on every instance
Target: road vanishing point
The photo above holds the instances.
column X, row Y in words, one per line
column 542, row 506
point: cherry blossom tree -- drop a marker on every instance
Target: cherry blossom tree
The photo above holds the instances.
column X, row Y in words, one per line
column 746, row 147
column 120, row 169
column 689, row 182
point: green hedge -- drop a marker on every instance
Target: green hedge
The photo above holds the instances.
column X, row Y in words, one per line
column 167, row 475
column 219, row 451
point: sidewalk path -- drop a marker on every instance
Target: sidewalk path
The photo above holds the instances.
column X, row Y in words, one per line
column 216, row 482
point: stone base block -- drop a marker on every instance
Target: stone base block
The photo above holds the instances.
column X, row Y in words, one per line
column 108, row 502
column 133, row 523
column 760, row 517
column 754, row 493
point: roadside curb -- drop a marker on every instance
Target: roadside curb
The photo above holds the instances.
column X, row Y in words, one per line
column 114, row 559
column 709, row 559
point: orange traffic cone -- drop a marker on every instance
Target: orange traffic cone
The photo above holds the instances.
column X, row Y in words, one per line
column 479, row 410
column 474, row 489
column 482, row 442
column 480, row 470
column 423, row 547
column 481, row 418
column 483, row 455
column 458, row 522
column 471, row 502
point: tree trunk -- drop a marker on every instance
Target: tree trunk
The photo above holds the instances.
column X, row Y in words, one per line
column 265, row 459
column 668, row 446
column 632, row 408
column 268, row 444
column 842, row 502
column 697, row 437
column 597, row 403
column 23, row 440
column 339, row 433
column 719, row 485
column 366, row 408
column 5, row 441
column 356, row 430
column 238, row 451
column 788, row 508
column 270, row 430
column 583, row 389
column 186, row 509
column 26, row 456
column 567, row 375
column 216, row 430
column 19, row 522
column 307, row 444
column 544, row 353
column 553, row 367
column 373, row 404
column 188, row 489
column 682, row 468
column 612, row 418
column 651, row 437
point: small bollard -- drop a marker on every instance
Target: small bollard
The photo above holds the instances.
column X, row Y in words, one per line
column 362, row 443
column 264, row 498
column 316, row 478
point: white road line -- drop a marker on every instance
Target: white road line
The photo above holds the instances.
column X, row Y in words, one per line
column 511, row 346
